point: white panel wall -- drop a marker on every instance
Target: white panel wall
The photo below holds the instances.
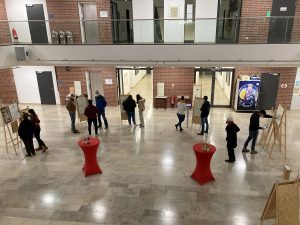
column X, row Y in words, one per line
column 27, row 85
column 143, row 30
column 130, row 79
column 16, row 11
column 296, row 97
column 205, row 30
column 174, row 29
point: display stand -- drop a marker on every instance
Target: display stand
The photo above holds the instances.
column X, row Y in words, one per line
column 10, row 121
column 196, row 110
column 265, row 135
column 81, row 104
column 122, row 111
column 283, row 204
column 278, row 131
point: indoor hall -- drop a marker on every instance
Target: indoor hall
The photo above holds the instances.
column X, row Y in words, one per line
column 146, row 174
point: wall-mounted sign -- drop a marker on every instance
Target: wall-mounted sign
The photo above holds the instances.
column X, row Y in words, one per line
column 283, row 86
column 77, row 87
column 103, row 14
column 109, row 81
column 283, row 9
column 6, row 114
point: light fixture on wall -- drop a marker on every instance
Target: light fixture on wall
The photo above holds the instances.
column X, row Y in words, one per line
column 67, row 68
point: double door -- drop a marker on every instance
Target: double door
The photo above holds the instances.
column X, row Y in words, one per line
column 216, row 84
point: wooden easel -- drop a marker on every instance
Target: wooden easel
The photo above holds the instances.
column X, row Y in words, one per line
column 265, row 135
column 276, row 131
column 283, row 204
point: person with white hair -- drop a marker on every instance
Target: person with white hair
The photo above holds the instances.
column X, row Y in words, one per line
column 231, row 138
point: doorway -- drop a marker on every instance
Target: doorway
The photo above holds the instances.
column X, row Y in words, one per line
column 216, row 83
column 229, row 12
column 158, row 21
column 89, row 23
column 94, row 83
column 189, row 25
column 46, row 87
column 122, row 21
column 281, row 25
column 37, row 28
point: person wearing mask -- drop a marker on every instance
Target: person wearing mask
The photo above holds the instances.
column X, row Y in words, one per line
column 37, row 130
column 180, row 113
column 141, row 105
column 253, row 130
column 205, row 108
column 231, row 138
column 129, row 106
column 25, row 132
column 91, row 112
column 101, row 104
column 71, row 107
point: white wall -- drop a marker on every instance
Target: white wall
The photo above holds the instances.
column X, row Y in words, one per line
column 221, row 79
column 130, row 79
column 205, row 30
column 174, row 29
column 16, row 11
column 143, row 30
column 27, row 85
column 296, row 97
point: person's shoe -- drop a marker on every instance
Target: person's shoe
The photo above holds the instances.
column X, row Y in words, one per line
column 201, row 133
column 206, row 132
column 39, row 148
column 27, row 155
column 181, row 129
column 76, row 132
column 106, row 127
column 45, row 148
column 228, row 161
column 141, row 125
column 176, row 126
column 253, row 152
column 245, row 150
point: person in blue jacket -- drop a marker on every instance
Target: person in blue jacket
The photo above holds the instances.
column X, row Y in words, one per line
column 101, row 104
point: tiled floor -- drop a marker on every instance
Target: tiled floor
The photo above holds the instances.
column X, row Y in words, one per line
column 146, row 174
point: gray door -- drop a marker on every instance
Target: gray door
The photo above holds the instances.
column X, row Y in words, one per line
column 89, row 22
column 37, row 29
column 268, row 90
column 46, row 87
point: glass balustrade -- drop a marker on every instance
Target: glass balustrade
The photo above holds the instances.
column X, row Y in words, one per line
column 272, row 30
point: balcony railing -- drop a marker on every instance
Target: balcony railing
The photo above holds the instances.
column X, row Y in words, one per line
column 272, row 30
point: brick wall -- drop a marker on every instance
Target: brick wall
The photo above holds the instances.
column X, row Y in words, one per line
column 182, row 78
column 8, row 92
column 287, row 76
column 64, row 11
column 296, row 25
column 4, row 27
column 66, row 79
column 253, row 30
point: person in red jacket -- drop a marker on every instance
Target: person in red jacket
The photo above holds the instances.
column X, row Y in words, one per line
column 91, row 113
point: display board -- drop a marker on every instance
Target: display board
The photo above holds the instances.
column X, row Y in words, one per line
column 197, row 91
column 196, row 110
column 283, row 204
column 160, row 89
column 77, row 88
column 6, row 114
column 279, row 114
column 14, row 111
column 122, row 111
column 81, row 103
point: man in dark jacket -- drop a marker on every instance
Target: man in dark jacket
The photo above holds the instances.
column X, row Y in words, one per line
column 253, row 130
column 25, row 132
column 231, row 138
column 91, row 112
column 129, row 106
column 101, row 104
column 205, row 108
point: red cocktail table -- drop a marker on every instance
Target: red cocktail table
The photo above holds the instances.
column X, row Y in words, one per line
column 202, row 173
column 90, row 166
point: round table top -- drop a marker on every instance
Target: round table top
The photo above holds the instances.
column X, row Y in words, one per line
column 93, row 142
column 198, row 148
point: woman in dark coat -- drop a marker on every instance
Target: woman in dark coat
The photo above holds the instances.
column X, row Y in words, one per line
column 26, row 134
column 231, row 138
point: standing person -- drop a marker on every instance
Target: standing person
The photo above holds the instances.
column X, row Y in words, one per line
column 205, row 108
column 231, row 138
column 37, row 130
column 25, row 132
column 129, row 106
column 101, row 104
column 180, row 113
column 141, row 105
column 253, row 130
column 91, row 112
column 71, row 107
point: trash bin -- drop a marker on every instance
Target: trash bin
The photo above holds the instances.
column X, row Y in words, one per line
column 54, row 37
column 62, row 37
column 69, row 37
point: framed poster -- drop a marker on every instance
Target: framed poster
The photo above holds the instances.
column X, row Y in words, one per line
column 160, row 89
column 174, row 12
column 77, row 88
column 14, row 111
column 81, row 102
column 6, row 114
column 248, row 92
column 14, row 126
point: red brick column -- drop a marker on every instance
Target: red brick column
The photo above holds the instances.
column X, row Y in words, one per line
column 8, row 92
column 4, row 26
